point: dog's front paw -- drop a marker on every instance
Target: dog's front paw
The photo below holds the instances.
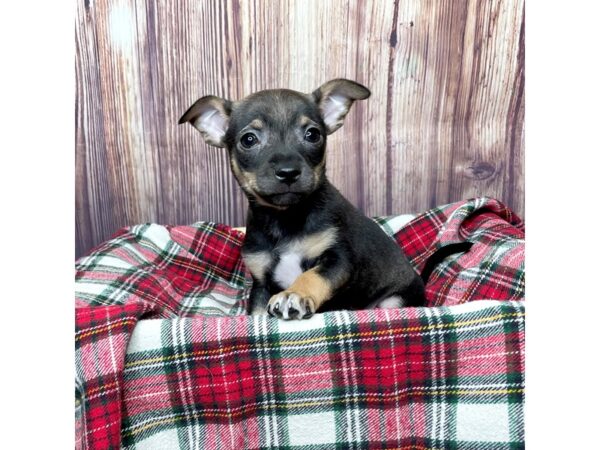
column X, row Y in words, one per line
column 290, row 305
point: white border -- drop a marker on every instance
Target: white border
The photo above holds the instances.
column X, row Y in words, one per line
column 562, row 186
column 37, row 203
column 562, row 126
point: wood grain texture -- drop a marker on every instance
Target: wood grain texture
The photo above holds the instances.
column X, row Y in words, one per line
column 444, row 122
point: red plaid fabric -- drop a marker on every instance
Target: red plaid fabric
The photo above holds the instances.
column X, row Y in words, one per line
column 100, row 341
column 491, row 268
column 437, row 377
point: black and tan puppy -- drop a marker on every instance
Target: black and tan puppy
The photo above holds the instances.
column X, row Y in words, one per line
column 307, row 248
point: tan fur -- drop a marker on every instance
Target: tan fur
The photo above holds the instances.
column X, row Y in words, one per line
column 311, row 285
column 257, row 123
column 262, row 201
column 248, row 183
column 319, row 171
column 312, row 246
column 304, row 120
column 258, row 263
column 250, row 179
column 246, row 179
column 235, row 168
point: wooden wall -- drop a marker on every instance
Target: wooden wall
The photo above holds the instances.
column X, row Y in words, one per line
column 444, row 122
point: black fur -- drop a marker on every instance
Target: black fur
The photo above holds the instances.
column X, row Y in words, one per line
column 376, row 266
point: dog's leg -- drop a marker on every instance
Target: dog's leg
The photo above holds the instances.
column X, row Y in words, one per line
column 259, row 297
column 302, row 298
column 311, row 289
column 257, row 263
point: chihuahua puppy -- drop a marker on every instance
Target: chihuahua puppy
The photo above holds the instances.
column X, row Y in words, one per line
column 307, row 248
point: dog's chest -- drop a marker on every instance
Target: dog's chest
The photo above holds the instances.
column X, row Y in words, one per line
column 291, row 255
column 288, row 268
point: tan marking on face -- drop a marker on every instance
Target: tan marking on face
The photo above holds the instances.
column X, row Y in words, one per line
column 250, row 179
column 258, row 263
column 257, row 123
column 247, row 180
column 313, row 286
column 319, row 171
column 235, row 168
column 263, row 202
column 249, row 185
column 304, row 120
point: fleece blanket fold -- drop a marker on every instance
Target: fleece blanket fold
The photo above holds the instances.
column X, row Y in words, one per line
column 166, row 356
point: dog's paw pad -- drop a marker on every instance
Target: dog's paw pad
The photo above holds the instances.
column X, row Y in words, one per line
column 289, row 305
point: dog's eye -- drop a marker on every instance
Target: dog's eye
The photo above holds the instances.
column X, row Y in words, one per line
column 249, row 140
column 312, row 135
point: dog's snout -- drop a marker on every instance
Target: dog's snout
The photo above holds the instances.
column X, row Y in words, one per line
column 287, row 174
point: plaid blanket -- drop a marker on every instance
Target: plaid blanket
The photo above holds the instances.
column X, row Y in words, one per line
column 203, row 374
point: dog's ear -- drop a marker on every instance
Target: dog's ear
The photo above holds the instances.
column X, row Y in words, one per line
column 210, row 116
column 335, row 99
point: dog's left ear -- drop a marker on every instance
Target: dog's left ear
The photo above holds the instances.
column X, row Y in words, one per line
column 335, row 99
column 210, row 116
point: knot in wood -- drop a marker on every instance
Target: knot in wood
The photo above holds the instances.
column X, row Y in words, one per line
column 480, row 170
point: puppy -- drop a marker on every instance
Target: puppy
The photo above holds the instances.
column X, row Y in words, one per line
column 308, row 249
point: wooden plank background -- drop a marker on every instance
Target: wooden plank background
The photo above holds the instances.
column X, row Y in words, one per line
column 444, row 122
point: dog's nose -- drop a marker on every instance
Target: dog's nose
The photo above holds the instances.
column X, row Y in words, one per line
column 287, row 174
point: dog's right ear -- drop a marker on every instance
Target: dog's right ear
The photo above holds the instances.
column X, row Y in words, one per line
column 210, row 116
column 335, row 99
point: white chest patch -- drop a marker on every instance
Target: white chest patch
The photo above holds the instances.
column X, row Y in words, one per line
column 288, row 269
column 289, row 266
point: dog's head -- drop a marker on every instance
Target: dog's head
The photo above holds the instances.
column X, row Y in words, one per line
column 276, row 138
